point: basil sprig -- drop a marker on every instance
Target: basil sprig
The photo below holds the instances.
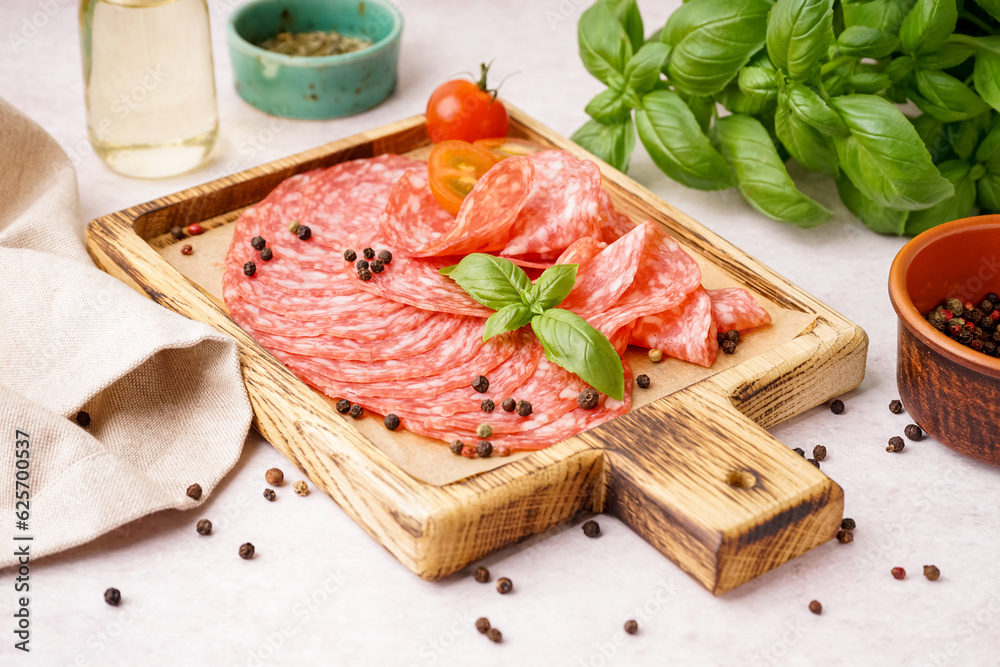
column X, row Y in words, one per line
column 568, row 340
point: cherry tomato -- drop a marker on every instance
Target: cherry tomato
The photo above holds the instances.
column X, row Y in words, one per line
column 504, row 147
column 465, row 110
column 453, row 168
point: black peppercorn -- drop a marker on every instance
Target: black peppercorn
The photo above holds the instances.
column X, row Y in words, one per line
column 720, row 337
column 913, row 432
column 249, row 269
column 258, row 243
column 487, row 405
column 483, row 625
column 377, row 266
column 896, row 444
column 588, row 398
column 246, row 551
column 591, row 528
column 848, row 524
column 357, row 411
column 992, row 297
column 932, row 573
column 83, row 418
column 270, row 495
column 509, row 404
column 343, row 406
column 895, row 407
column 801, row 452
column 494, row 635
column 385, row 256
column 391, row 422
column 845, row 536
column 523, row 408
column 814, row 462
column 631, row 627
column 480, row 383
column 204, row 527
column 484, row 449
column 194, row 492
column 456, row 447
column 837, row 407
column 365, row 274
column 362, row 264
column 642, row 381
column 113, row 597
column 350, row 255
column 177, row 232
column 266, row 254
column 304, row 233
column 733, row 335
column 504, row 585
column 728, row 346
column 368, row 253
column 815, row 607
column 819, row 452
column 482, row 574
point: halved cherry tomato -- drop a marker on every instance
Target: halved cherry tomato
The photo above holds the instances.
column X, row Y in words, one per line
column 465, row 110
column 504, row 147
column 453, row 168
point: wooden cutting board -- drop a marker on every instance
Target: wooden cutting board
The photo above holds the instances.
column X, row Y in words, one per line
column 693, row 472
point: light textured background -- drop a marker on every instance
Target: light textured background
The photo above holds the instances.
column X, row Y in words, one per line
column 321, row 592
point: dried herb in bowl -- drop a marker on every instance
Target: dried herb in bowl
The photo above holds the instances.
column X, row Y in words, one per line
column 314, row 44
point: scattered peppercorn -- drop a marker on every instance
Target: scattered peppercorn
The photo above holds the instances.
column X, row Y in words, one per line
column 898, row 573
column 468, row 452
column 523, row 408
column 274, row 477
column 343, row 406
column 376, row 266
column 301, row 488
column 588, row 398
column 350, row 255
column 801, row 452
column 270, row 495
column 484, row 431
column 362, row 264
column 385, row 256
column 837, row 407
column 845, row 536
column 733, row 335
column 931, row 572
column 294, row 226
column 656, row 356
column 368, row 253
column 642, row 381
column 83, row 418
column 895, row 407
column 487, row 405
column 304, row 233
column 195, row 229
column 814, row 462
column 484, row 449
column 357, row 411
column 508, row 405
column 194, row 492
column 728, row 346
column 848, row 524
column 819, row 452
column 815, row 607
column 365, row 274
column 896, row 444
column 482, row 574
column 494, row 635
column 503, row 450
column 591, row 528
column 631, row 627
column 456, row 447
column 720, row 337
column 204, row 527
column 913, row 432
column 249, row 269
column 480, row 383
column 504, row 585
column 246, row 551
column 482, row 624
column 186, row 249
column 258, row 243
column 113, row 597
column 266, row 254
column 391, row 422
column 177, row 232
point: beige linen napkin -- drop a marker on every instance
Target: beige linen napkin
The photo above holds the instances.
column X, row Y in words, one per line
column 165, row 394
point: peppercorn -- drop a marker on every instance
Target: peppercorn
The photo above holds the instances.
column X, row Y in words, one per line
column 468, row 452
column 195, row 229
column 482, row 624
column 896, row 444
column 301, row 488
column 504, row 585
column 913, row 432
column 482, row 574
column 368, row 253
column 992, row 297
column 350, row 255
column 357, row 411
column 947, row 315
column 274, row 477
column 249, row 269
column 258, row 243
column 655, row 356
column 801, row 452
column 508, row 405
column 814, row 462
column 523, row 408
column 591, row 528
column 588, row 398
column 484, row 431
column 733, row 335
column 343, row 406
column 480, row 383
column 895, row 407
column 177, row 232
column 487, row 405
column 194, row 492
column 494, row 635
column 269, row 494
column 294, row 226
column 83, row 418
column 484, row 449
column 954, row 305
column 204, row 527
column 898, row 573
column 377, row 266
column 391, row 422
column 848, row 524
column 837, row 407
column 932, row 573
column 815, row 607
column 976, row 315
column 456, row 447
column 365, row 274
column 728, row 346
column 113, row 597
column 304, row 233
column 246, row 551
column 642, row 381
column 362, row 264
column 819, row 452
column 631, row 627
column 845, row 536
column 266, row 254
column 186, row 249
column 720, row 337
column 385, row 256
column 976, row 345
column 503, row 450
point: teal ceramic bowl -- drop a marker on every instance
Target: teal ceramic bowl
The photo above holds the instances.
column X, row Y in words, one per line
column 314, row 87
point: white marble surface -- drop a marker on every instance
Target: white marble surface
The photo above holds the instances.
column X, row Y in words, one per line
column 321, row 592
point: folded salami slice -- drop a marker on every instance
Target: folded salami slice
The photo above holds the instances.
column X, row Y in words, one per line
column 684, row 332
column 614, row 225
column 735, row 308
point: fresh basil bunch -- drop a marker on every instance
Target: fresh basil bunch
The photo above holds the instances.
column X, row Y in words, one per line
column 814, row 80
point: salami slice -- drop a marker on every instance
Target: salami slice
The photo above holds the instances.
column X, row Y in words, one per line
column 581, row 252
column 413, row 219
column 685, row 332
column 601, row 281
column 614, row 225
column 735, row 308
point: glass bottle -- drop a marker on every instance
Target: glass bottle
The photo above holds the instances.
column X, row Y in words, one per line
column 149, row 84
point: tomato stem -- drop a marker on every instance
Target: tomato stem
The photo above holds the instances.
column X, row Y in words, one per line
column 484, row 69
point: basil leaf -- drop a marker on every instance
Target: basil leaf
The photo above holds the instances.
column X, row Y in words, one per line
column 934, row 134
column 951, row 54
column 957, row 206
column 735, row 100
column 989, row 192
column 612, row 143
column 928, row 25
column 761, row 175
column 989, row 149
column 630, row 19
column 609, row 106
column 552, row 287
column 711, row 40
column 604, row 45
column 876, row 217
column 798, row 34
column 675, row 142
column 986, row 75
column 805, row 103
column 884, row 156
column 868, row 81
column 809, row 146
column 758, row 83
column 508, row 318
column 900, row 69
column 643, row 69
column 571, row 342
column 860, row 41
column 946, row 98
column 493, row 281
column 963, row 139
column 884, row 15
column 703, row 108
